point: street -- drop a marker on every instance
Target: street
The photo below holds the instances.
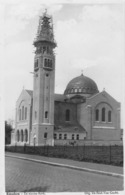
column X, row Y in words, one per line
column 27, row 176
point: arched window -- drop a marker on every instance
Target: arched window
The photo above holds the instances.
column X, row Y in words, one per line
column 45, row 62
column 73, row 136
column 21, row 135
column 26, row 135
column 97, row 115
column 103, row 114
column 65, row 136
column 26, row 113
column 60, row 136
column 45, row 135
column 55, row 136
column 77, row 136
column 22, row 112
column 67, row 115
column 109, row 116
column 48, row 63
column 46, row 114
column 18, row 136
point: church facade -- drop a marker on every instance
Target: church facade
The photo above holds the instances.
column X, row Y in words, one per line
column 81, row 114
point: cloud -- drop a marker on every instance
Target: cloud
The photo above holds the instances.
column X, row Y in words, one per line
column 93, row 41
column 82, row 63
column 96, row 34
column 18, row 16
column 54, row 8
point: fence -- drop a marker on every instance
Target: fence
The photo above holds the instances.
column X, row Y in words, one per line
column 100, row 154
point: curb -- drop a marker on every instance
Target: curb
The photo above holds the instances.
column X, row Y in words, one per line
column 70, row 167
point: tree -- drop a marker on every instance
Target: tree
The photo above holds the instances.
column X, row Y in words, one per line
column 8, row 129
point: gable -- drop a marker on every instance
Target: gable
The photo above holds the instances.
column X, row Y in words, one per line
column 24, row 96
column 103, row 97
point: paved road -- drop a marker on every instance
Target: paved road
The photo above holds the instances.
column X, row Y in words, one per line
column 22, row 176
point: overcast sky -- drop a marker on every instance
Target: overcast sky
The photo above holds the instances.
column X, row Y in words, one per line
column 89, row 38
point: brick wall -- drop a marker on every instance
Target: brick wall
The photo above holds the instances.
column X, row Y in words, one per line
column 100, row 154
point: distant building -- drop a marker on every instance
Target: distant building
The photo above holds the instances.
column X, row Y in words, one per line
column 81, row 113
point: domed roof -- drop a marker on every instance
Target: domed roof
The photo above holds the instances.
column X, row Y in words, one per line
column 81, row 85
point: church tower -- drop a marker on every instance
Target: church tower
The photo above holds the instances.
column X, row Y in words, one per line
column 44, row 81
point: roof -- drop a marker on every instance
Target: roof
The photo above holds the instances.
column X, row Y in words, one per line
column 30, row 92
column 81, row 85
column 59, row 97
column 69, row 128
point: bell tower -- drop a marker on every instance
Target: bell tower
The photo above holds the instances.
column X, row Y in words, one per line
column 44, row 81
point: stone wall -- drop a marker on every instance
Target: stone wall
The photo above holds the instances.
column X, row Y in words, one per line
column 99, row 154
column 60, row 113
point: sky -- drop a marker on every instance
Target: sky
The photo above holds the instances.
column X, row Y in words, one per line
column 89, row 36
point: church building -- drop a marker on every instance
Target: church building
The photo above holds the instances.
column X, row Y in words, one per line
column 81, row 114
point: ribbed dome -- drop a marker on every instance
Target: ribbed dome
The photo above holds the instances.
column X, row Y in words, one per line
column 81, row 85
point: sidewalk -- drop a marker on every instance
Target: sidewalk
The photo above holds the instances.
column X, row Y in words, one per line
column 79, row 165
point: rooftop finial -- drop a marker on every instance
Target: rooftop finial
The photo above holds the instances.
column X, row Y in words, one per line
column 45, row 11
column 104, row 89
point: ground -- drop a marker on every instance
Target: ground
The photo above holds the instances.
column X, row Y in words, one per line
column 27, row 176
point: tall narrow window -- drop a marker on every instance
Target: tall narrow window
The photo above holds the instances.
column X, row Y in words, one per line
column 45, row 135
column 20, row 114
column 109, row 116
column 18, row 136
column 77, row 136
column 97, row 115
column 103, row 114
column 26, row 135
column 45, row 62
column 65, row 136
column 55, row 136
column 21, row 135
column 67, row 115
column 46, row 114
column 48, row 62
column 73, row 136
column 25, row 113
column 60, row 136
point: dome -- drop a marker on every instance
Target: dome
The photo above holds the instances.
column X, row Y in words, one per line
column 81, row 85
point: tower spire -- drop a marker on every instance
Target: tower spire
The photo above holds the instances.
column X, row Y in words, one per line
column 45, row 30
